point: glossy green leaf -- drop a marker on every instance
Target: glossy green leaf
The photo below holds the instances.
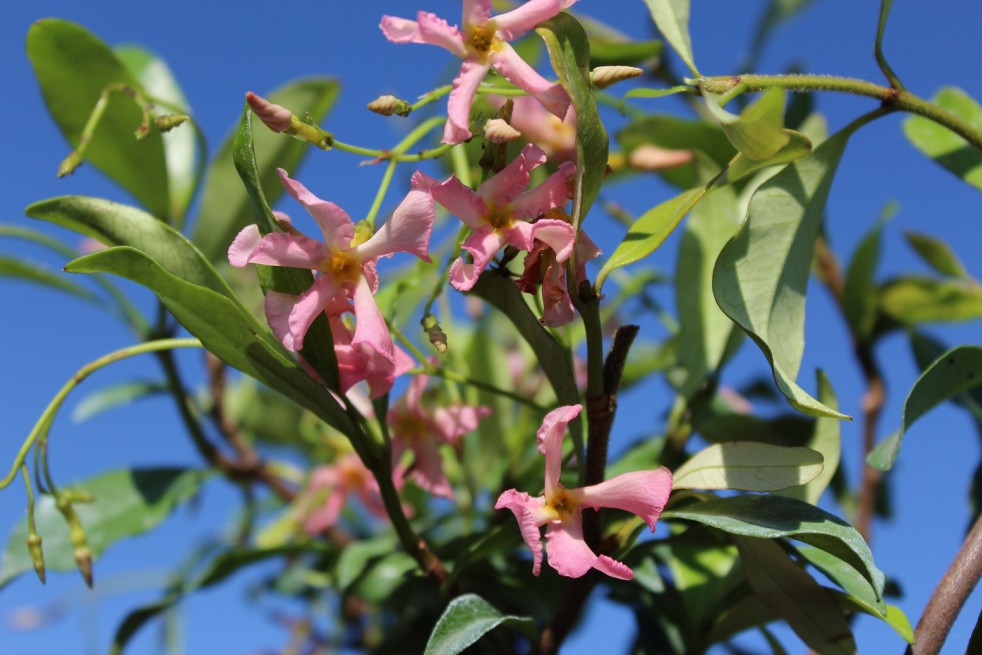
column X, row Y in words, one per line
column 758, row 132
column 569, row 52
column 827, row 440
column 225, row 204
column 944, row 146
column 926, row 350
column 224, row 326
column 180, row 147
column 846, row 577
column 264, row 414
column 918, row 299
column 748, row 466
column 789, row 591
column 385, row 575
column 743, row 614
column 614, row 52
column 769, row 517
column 859, row 293
column 650, row 231
column 761, row 275
column 704, row 567
column 115, row 396
column 467, row 619
column 672, row 19
column 42, row 275
column 937, row 254
column 704, row 330
column 73, row 68
column 797, row 147
column 954, row 372
column 124, row 504
column 781, row 430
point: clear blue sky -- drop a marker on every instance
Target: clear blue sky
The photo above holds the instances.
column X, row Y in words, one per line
column 218, row 54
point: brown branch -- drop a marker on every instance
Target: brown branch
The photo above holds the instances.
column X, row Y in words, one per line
column 950, row 595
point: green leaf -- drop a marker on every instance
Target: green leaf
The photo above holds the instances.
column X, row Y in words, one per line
column 926, row 349
column 758, row 132
column 225, row 328
column 73, row 68
column 650, row 231
column 937, row 254
column 180, row 149
column 954, row 372
column 124, row 504
column 748, row 466
column 827, row 440
column 655, row 93
column 704, row 568
column 788, row 590
column 672, row 19
column 569, row 52
column 918, row 299
column 116, row 396
column 42, row 275
column 617, row 52
column 846, row 577
column 944, row 146
column 797, row 147
column 881, row 27
column 704, row 330
column 467, row 619
column 769, row 517
column 673, row 133
column 761, row 276
column 225, row 205
column 859, row 293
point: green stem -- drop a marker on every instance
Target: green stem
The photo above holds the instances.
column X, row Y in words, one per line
column 47, row 417
column 890, row 97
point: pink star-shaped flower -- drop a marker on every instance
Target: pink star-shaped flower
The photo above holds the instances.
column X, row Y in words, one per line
column 344, row 265
column 483, row 44
column 500, row 210
column 643, row 493
column 542, row 268
column 421, row 429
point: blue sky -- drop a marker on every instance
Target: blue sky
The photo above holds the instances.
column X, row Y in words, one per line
column 218, row 54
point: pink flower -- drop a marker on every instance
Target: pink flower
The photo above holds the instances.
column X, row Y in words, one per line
column 483, row 45
column 330, row 487
column 422, row 429
column 499, row 211
column 344, row 265
column 556, row 135
column 643, row 493
column 541, row 267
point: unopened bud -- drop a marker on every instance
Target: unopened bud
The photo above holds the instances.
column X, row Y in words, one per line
column 70, row 163
column 275, row 117
column 143, row 131
column 83, row 560
column 434, row 332
column 76, row 535
column 652, row 158
column 496, row 130
column 605, row 76
column 168, row 122
column 37, row 555
column 389, row 105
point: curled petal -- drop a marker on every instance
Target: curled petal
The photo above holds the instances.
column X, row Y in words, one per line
column 556, row 234
column 291, row 316
column 643, row 493
column 334, row 222
column 524, row 18
column 552, row 193
column 557, row 307
column 277, row 249
column 455, row 421
column 459, row 200
column 525, row 509
column 428, row 470
column 436, row 31
column 613, row 568
column 370, row 328
column 460, row 100
column 517, row 71
column 509, row 183
column 568, row 552
column 400, row 30
column 407, row 230
column 476, row 12
column 482, row 245
column 244, row 244
column 550, row 440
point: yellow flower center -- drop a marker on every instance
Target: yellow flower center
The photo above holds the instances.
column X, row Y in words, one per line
column 481, row 39
column 342, row 267
column 499, row 217
column 562, row 502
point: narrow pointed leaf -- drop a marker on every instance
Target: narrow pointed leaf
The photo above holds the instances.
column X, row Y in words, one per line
column 125, row 503
column 797, row 147
column 748, row 466
column 944, row 146
column 881, row 60
column 225, row 204
column 672, row 19
column 761, row 275
column 73, row 67
column 769, row 517
column 569, row 52
column 784, row 587
column 827, row 440
column 937, row 254
column 954, row 372
column 918, row 299
column 846, row 577
column 42, row 275
column 673, row 133
column 859, row 292
column 467, row 619
column 758, row 132
column 116, row 396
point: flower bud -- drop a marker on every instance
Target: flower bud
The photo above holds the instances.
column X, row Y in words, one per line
column 605, row 76
column 76, row 535
column 434, row 332
column 70, row 163
column 496, row 130
column 389, row 105
column 652, row 158
column 168, row 122
column 275, row 117
column 143, row 131
column 37, row 555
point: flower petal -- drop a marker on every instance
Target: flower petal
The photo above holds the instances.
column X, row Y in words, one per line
column 334, row 222
column 460, row 100
column 509, row 183
column 613, row 568
column 524, row 18
column 552, row 193
column 476, row 12
column 459, row 200
column 525, row 509
column 436, row 31
column 568, row 552
column 556, row 234
column 407, row 230
column 455, row 421
column 370, row 328
column 550, row 440
column 643, row 493
column 482, row 245
column 276, row 249
column 291, row 316
column 517, row 71
column 400, row 30
column 557, row 307
column 428, row 470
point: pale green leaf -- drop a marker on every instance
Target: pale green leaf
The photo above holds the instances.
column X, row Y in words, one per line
column 827, row 440
column 918, row 299
column 758, row 132
column 114, row 396
column 944, row 146
column 937, row 254
column 859, row 293
column 797, row 147
column 748, row 466
column 672, row 19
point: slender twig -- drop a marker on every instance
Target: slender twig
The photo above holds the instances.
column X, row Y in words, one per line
column 950, row 595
